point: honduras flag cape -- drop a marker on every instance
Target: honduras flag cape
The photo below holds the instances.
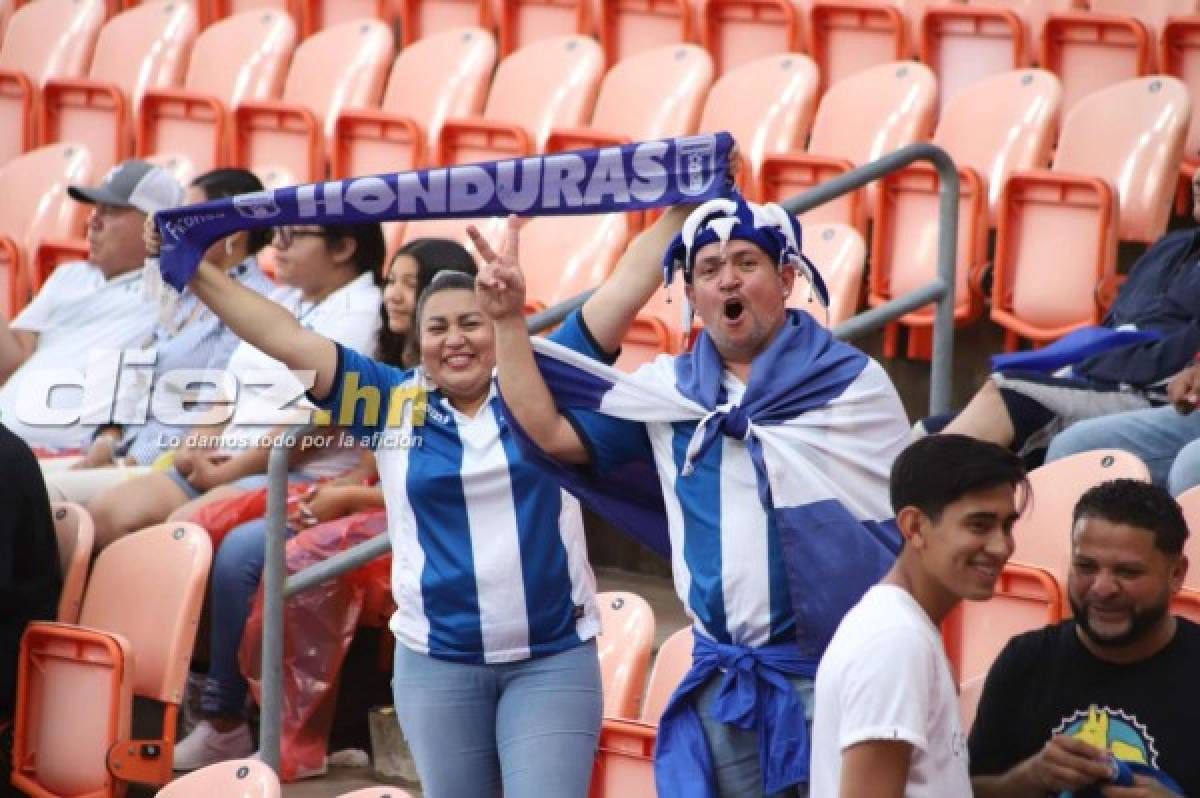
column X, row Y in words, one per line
column 822, row 424
column 648, row 174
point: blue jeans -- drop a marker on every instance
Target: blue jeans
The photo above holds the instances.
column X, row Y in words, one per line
column 1165, row 440
column 735, row 753
column 526, row 728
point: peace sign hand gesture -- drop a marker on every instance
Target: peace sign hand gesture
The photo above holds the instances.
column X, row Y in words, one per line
column 500, row 285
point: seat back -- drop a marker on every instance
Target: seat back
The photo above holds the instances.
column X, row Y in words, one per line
column 243, row 57
column 1091, row 51
column 1189, row 500
column 421, row 18
column 627, row 27
column 52, row 38
column 767, row 105
column 848, row 37
column 1154, row 14
column 1001, row 125
column 235, row 778
column 524, row 22
column 565, row 255
column 340, row 67
column 626, row 637
column 148, row 587
column 421, row 88
column 963, row 45
column 1138, row 155
column 549, row 84
column 1033, row 15
column 321, row 14
column 76, row 535
column 673, row 661
column 655, row 94
column 1043, row 532
column 840, row 255
column 36, row 208
column 145, row 47
column 737, row 32
column 1180, row 57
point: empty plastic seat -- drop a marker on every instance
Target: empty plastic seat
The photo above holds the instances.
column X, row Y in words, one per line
column 36, row 207
column 1043, row 532
column 671, row 664
column 421, row 18
column 1180, row 57
column 991, row 129
column 317, row 15
column 1033, row 15
column 865, row 116
column 143, row 48
column 1090, row 51
column 627, row 27
column 848, row 37
column 524, row 22
column 1186, row 604
column 736, row 32
column 623, row 648
column 647, row 338
column 238, row 59
column 134, row 638
column 840, row 254
column 966, row 44
column 43, row 40
column 1153, row 14
column 566, row 255
column 237, row 778
column 76, row 535
column 286, row 141
column 767, row 105
column 1100, row 188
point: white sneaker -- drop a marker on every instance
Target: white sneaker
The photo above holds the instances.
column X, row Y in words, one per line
column 206, row 746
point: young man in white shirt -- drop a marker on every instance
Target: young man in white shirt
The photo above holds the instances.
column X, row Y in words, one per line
column 887, row 719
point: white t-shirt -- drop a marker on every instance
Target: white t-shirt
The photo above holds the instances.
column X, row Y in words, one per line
column 80, row 316
column 350, row 316
column 885, row 676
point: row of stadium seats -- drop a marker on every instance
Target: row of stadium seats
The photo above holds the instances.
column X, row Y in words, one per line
column 250, row 778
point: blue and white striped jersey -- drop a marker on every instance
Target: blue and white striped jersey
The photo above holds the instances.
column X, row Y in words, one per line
column 489, row 562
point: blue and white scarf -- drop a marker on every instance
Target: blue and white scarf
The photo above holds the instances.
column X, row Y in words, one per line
column 648, row 174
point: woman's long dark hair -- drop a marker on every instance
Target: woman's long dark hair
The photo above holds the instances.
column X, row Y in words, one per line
column 432, row 255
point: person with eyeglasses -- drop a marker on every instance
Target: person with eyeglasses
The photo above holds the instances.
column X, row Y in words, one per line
column 330, row 283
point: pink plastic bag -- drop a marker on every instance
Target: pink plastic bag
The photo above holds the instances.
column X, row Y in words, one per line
column 319, row 625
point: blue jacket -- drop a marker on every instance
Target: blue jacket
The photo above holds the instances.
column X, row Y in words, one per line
column 1161, row 294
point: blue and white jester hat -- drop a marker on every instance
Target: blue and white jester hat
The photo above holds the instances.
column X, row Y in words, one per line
column 774, row 230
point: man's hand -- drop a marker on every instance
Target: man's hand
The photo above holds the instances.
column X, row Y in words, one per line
column 1066, row 763
column 209, row 470
column 151, row 237
column 320, row 504
column 1184, row 389
column 1143, row 787
column 500, row 285
column 99, row 454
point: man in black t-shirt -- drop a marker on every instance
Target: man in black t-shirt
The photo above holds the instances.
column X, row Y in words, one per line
column 1120, row 680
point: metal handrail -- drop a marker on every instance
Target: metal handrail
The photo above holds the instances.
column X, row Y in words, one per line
column 277, row 587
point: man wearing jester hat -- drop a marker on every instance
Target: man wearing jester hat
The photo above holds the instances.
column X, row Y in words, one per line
column 762, row 455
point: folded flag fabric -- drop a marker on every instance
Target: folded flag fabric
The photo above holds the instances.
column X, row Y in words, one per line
column 637, row 176
column 1071, row 349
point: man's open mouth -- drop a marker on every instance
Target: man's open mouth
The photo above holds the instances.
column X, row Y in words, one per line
column 733, row 309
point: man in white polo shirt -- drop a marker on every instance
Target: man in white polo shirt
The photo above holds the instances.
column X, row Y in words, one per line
column 87, row 311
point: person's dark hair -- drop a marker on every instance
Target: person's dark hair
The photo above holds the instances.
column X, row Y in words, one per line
column 1136, row 503
column 445, row 280
column 369, row 246
column 938, row 470
column 229, row 182
column 432, row 255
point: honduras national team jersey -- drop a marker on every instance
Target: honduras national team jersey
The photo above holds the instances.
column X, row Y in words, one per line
column 489, row 562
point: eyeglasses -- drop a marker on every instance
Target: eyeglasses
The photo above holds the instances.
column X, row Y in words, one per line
column 284, row 236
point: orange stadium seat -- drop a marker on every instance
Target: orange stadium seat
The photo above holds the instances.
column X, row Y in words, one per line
column 44, row 40
column 143, row 48
column 1043, row 532
column 865, row 116
column 6, row 11
column 1186, row 604
column 237, row 778
column 1179, row 56
column 840, row 254
column 238, row 59
column 623, row 647
column 736, row 32
column 549, row 84
column 317, row 15
column 524, row 22
column 1100, row 189
column 627, row 27
column 1092, row 51
column 285, row 142
column 421, row 18
column 965, row 44
column 991, row 129
column 767, row 105
column 1189, row 500
column 76, row 535
column 36, row 207
column 1032, row 14
column 75, row 684
column 848, row 37
column 647, row 338
column 377, row 792
column 1153, row 14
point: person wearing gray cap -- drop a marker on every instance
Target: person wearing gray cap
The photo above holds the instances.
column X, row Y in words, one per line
column 85, row 311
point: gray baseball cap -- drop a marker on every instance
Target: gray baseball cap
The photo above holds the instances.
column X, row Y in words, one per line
column 133, row 184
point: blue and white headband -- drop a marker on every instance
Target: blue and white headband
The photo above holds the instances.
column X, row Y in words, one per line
column 768, row 226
